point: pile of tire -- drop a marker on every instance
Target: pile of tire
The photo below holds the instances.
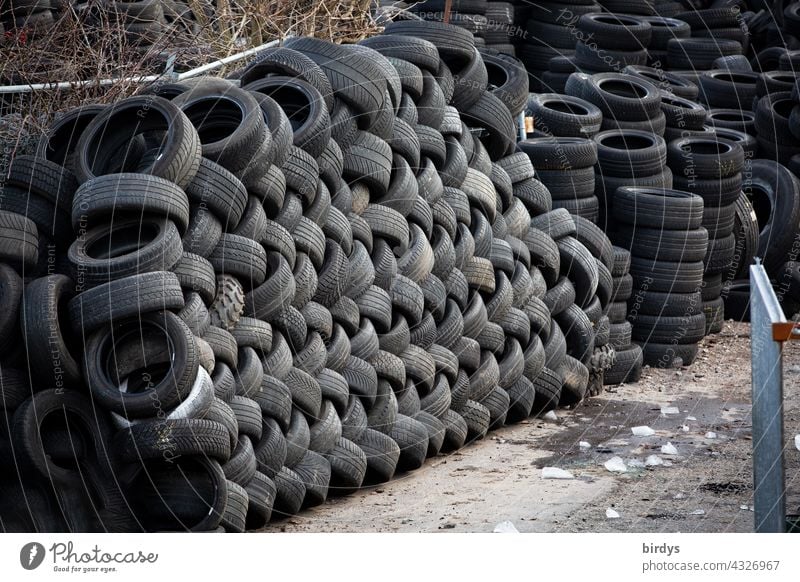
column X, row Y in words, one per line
column 612, row 42
column 245, row 298
column 548, row 43
column 566, row 166
column 662, row 230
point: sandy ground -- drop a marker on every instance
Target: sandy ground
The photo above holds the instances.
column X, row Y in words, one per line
column 706, row 487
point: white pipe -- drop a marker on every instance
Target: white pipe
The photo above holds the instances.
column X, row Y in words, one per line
column 226, row 61
column 33, row 87
column 67, row 85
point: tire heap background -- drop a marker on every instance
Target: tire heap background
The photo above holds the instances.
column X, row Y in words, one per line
column 377, row 293
column 347, row 298
column 725, row 68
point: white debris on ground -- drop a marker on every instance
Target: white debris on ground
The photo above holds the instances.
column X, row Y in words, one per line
column 690, row 418
column 551, row 416
column 584, row 445
column 505, row 527
column 685, row 428
column 642, row 431
column 611, row 514
column 711, row 435
column 669, row 449
column 615, row 465
column 797, row 442
column 698, row 512
column 666, row 410
column 653, row 461
column 635, row 464
column 556, row 473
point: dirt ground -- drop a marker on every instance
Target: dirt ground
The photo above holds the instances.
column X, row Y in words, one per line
column 706, row 487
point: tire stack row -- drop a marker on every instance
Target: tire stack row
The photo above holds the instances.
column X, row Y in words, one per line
column 470, row 15
column 724, row 23
column 500, row 34
column 549, row 31
column 662, row 230
column 566, row 166
column 712, row 169
column 613, row 42
column 627, row 365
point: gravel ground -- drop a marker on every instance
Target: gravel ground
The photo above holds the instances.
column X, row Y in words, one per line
column 706, row 487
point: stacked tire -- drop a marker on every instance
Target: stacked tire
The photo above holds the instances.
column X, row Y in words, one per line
column 662, row 230
column 566, row 166
column 500, row 33
column 612, row 42
column 627, row 158
column 711, row 167
column 550, row 33
column 627, row 366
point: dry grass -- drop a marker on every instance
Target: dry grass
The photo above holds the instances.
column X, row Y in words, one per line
column 91, row 44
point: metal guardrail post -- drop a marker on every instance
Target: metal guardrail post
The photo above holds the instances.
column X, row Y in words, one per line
column 768, row 330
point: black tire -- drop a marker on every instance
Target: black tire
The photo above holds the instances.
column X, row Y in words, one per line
column 629, row 153
column 158, row 333
column 580, row 266
column 19, row 240
column 114, row 127
column 382, row 454
column 666, row 277
column 564, row 115
column 353, row 76
column 668, row 355
column 616, row 31
column 705, row 157
column 665, row 245
column 123, row 298
column 658, row 208
column 699, row 53
column 627, row 366
column 618, row 96
column 348, row 466
column 766, row 181
column 508, row 79
column 145, row 246
column 548, row 391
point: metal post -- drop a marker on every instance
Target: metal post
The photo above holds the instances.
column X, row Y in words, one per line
column 767, row 374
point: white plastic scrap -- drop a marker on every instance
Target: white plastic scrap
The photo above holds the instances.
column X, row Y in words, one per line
column 665, row 410
column 698, row 512
column 690, row 418
column 556, row 473
column 669, row 449
column 505, row 527
column 642, row 431
column 711, row 435
column 797, row 442
column 584, row 445
column 611, row 514
column 653, row 461
column 551, row 416
column 685, row 428
column 615, row 465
